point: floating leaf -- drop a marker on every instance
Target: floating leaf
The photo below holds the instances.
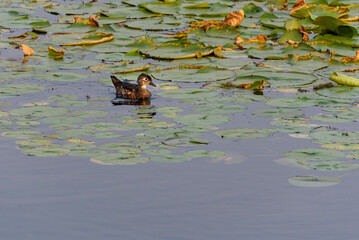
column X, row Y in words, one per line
column 277, row 112
column 188, row 93
column 312, row 154
column 332, row 166
column 55, row 53
column 94, row 38
column 20, row 88
column 28, row 51
column 342, row 79
column 39, row 111
column 202, row 119
column 219, row 108
column 173, row 158
column 45, row 151
column 244, row 133
column 118, row 159
column 314, row 181
column 184, row 74
column 204, row 153
column 89, row 114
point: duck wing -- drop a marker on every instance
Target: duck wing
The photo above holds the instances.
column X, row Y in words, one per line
column 129, row 86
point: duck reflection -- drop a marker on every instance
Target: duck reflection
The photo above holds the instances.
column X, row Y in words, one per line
column 121, row 101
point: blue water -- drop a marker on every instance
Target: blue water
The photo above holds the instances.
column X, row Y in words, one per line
column 62, row 198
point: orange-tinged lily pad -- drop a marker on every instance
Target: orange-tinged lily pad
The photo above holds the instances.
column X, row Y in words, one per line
column 94, row 38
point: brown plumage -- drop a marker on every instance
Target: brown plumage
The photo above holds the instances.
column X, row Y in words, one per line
column 133, row 91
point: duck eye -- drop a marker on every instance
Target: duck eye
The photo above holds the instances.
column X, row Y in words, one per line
column 146, row 79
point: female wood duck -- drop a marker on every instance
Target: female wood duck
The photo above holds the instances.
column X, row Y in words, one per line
column 133, row 91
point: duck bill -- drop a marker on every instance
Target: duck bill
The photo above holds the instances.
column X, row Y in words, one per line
column 152, row 84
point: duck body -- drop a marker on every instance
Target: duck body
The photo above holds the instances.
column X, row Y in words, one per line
column 132, row 91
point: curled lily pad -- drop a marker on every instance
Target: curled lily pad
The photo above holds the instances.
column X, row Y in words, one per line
column 94, row 38
column 244, row 133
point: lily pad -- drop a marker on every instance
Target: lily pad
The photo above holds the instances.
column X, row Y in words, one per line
column 244, row 133
column 314, row 181
column 313, row 154
column 202, row 119
column 39, row 111
column 45, row 151
column 277, row 113
column 118, row 159
column 203, row 74
column 18, row 89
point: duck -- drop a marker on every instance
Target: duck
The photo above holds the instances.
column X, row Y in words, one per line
column 132, row 91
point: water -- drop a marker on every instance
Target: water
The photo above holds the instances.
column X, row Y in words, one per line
column 63, row 198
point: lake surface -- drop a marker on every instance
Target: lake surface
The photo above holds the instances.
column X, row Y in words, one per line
column 245, row 194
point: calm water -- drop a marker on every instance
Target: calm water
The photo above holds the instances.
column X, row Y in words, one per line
column 63, row 198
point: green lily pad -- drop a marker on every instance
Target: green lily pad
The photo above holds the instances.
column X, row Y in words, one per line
column 45, row 151
column 74, row 133
column 170, row 51
column 314, row 181
column 89, row 114
column 86, row 153
column 63, row 76
column 244, row 133
column 118, row 159
column 312, row 154
column 204, row 153
column 219, row 108
column 277, row 113
column 171, row 158
column 18, row 89
column 202, row 119
column 62, row 120
column 21, row 134
column 185, row 142
column 334, row 136
column 332, row 166
column 188, row 93
column 203, row 74
column 106, row 135
column 39, row 111
column 102, row 126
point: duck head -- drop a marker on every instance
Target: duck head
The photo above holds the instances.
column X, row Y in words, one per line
column 145, row 80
